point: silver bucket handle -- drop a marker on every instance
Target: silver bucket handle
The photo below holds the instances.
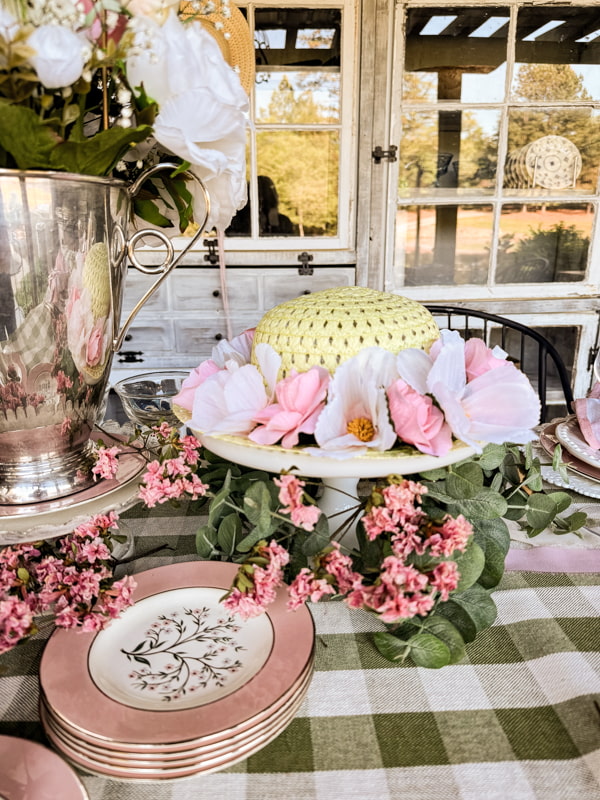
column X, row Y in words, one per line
column 170, row 261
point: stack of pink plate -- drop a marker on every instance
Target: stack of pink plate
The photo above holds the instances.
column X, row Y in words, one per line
column 176, row 686
column 581, row 460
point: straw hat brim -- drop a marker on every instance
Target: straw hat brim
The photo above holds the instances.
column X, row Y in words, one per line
column 233, row 36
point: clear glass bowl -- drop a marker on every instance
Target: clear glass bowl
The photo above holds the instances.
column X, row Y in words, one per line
column 147, row 398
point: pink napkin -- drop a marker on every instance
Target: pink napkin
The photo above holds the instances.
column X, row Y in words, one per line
column 587, row 410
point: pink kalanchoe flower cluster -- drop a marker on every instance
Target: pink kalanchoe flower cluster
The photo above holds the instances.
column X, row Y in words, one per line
column 401, row 589
column 291, row 496
column 71, row 578
column 173, row 478
column 258, row 579
column 107, row 463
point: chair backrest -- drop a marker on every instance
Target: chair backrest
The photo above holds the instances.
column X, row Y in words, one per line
column 528, row 348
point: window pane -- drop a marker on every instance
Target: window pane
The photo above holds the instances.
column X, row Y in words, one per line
column 455, row 54
column 543, row 244
column 553, row 149
column 448, row 150
column 298, row 182
column 298, row 96
column 557, row 54
column 444, row 245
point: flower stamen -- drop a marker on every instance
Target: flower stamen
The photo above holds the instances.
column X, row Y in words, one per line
column 362, row 428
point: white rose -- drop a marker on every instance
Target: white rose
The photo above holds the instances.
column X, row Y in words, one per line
column 174, row 59
column 228, row 193
column 200, row 129
column 60, row 55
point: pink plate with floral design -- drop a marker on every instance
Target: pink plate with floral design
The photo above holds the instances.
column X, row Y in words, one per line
column 31, row 771
column 176, row 666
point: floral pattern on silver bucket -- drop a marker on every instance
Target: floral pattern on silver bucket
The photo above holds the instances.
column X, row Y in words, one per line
column 63, row 262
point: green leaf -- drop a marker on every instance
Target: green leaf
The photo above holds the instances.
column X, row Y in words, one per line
column 99, row 154
column 257, row 505
column 486, row 505
column 147, row 210
column 541, row 509
column 206, row 539
column 470, row 565
column 25, row 137
column 217, row 505
column 465, row 481
column 492, row 456
column 390, row 646
column 562, row 500
column 228, row 533
column 442, row 628
column 494, row 539
column 470, row 611
column 426, row 650
column 437, row 474
column 248, row 542
column 318, row 538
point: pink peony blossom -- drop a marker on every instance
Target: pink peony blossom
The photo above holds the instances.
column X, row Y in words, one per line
column 417, row 421
column 185, row 396
column 300, row 400
column 479, row 358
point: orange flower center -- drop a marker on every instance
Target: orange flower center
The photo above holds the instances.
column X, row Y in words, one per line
column 362, row 428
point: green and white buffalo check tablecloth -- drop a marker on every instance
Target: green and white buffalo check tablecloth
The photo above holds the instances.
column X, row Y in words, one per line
column 519, row 718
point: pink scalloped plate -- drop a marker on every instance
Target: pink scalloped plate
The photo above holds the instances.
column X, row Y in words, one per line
column 30, row 770
column 73, row 694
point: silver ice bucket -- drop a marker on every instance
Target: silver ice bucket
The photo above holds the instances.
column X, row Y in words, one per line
column 64, row 250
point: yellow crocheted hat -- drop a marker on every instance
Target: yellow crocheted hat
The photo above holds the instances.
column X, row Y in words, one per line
column 329, row 327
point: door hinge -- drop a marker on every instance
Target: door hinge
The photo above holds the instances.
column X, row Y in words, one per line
column 379, row 153
column 304, row 259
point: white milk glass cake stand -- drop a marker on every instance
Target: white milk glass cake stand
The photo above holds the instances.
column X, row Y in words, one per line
column 340, row 476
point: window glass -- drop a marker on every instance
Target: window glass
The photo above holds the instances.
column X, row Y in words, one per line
column 455, row 54
column 448, row 150
column 543, row 243
column 552, row 150
column 444, row 245
column 295, row 147
column 557, row 54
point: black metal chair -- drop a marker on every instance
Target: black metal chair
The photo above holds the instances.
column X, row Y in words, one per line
column 529, row 349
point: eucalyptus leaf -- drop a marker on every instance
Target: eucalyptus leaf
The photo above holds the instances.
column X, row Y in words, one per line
column 562, row 500
column 442, row 628
column 492, row 457
column 247, row 543
column 206, row 539
column 217, row 506
column 390, row 646
column 470, row 565
column 465, row 481
column 486, row 505
column 494, row 539
column 229, row 532
column 257, row 504
column 318, row 538
column 470, row 611
column 427, row 650
column 541, row 509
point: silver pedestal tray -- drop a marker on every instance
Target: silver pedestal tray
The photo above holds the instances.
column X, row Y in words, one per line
column 34, row 522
